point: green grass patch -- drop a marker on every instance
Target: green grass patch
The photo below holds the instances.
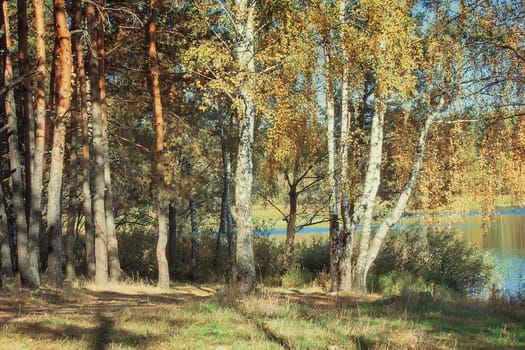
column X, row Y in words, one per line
column 187, row 317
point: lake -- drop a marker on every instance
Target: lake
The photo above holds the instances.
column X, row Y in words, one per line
column 504, row 240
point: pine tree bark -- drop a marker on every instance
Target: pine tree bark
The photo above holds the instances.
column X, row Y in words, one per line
column 5, row 249
column 73, row 204
column 15, row 164
column 24, row 67
column 63, row 69
column 35, row 218
column 89, row 239
column 7, row 255
column 244, row 25
column 6, row 252
column 99, row 213
column 162, row 222
column 113, row 258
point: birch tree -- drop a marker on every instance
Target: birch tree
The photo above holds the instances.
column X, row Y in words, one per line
column 391, row 55
column 245, row 12
column 226, row 220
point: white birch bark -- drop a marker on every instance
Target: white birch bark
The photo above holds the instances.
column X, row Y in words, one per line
column 402, row 201
column 371, row 186
column 347, row 235
column 347, row 241
column 244, row 26
column 333, row 211
column 226, row 224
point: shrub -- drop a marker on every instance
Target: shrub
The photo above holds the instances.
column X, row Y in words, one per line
column 137, row 254
column 314, row 256
column 438, row 257
column 296, row 277
column 402, row 283
column 269, row 259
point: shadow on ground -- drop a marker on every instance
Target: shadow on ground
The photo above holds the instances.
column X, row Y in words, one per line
column 90, row 317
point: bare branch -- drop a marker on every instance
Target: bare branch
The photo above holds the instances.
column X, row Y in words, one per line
column 139, row 146
column 13, row 83
column 273, row 205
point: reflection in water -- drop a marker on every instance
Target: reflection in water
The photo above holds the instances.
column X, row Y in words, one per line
column 505, row 239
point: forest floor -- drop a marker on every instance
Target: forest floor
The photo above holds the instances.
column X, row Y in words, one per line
column 133, row 316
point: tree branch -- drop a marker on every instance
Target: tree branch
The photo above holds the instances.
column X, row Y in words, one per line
column 13, row 83
column 139, row 146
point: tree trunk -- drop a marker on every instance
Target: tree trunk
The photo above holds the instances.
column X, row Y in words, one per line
column 64, row 70
column 371, row 185
column 24, row 67
column 244, row 25
column 226, row 224
column 14, row 158
column 5, row 255
column 6, row 245
column 73, row 204
column 195, row 241
column 230, row 235
column 5, row 249
column 402, row 201
column 347, row 236
column 333, row 210
column 99, row 213
column 86, row 154
column 8, row 256
column 290, row 226
column 113, row 258
column 162, row 222
column 35, row 219
column 172, row 218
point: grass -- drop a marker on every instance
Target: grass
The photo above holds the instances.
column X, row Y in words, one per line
column 131, row 316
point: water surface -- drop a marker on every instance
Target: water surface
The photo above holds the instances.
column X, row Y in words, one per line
column 503, row 238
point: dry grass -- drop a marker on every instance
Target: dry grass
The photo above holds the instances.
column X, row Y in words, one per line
column 139, row 316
